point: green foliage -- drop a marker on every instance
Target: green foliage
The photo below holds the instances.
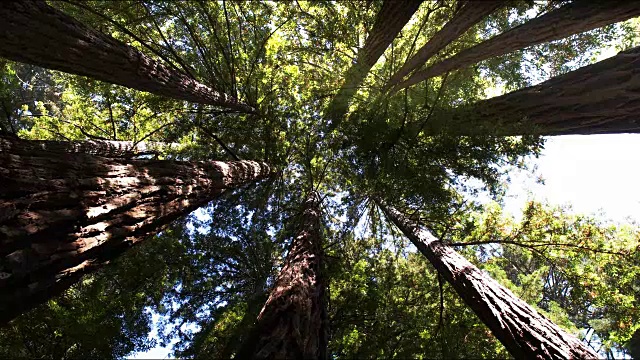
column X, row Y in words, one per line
column 578, row 270
column 208, row 276
column 574, row 269
column 379, row 298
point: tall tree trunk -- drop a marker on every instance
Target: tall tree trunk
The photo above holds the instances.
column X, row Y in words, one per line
column 35, row 33
column 633, row 345
column 293, row 321
column 105, row 148
column 64, row 215
column 393, row 16
column 521, row 329
column 573, row 18
column 601, row 98
column 470, row 14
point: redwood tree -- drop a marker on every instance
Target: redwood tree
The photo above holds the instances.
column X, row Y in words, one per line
column 36, row 33
column 66, row 214
column 520, row 328
column 391, row 18
column 293, row 321
column 573, row 18
column 468, row 15
column 601, row 98
column 105, row 148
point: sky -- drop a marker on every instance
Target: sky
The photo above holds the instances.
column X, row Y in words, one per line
column 595, row 174
column 157, row 352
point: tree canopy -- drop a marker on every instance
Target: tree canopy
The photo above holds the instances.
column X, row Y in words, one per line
column 311, row 88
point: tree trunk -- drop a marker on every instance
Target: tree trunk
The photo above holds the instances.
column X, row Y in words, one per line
column 633, row 345
column 602, row 98
column 573, row 18
column 293, row 321
column 105, row 148
column 470, row 14
column 522, row 330
column 63, row 215
column 35, row 33
column 393, row 16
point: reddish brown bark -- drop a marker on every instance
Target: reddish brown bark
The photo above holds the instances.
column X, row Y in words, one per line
column 521, row 329
column 602, row 98
column 576, row 17
column 293, row 321
column 35, row 33
column 393, row 16
column 66, row 214
column 470, row 14
column 104, row 148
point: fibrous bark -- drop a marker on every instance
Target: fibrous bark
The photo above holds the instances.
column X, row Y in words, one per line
column 35, row 33
column 106, row 148
column 521, row 329
column 66, row 214
column 293, row 321
column 573, row 18
column 393, row 16
column 470, row 14
column 603, row 98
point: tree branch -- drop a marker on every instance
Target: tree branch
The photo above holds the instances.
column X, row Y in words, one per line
column 217, row 139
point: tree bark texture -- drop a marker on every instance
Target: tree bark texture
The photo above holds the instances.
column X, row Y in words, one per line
column 573, row 18
column 471, row 13
column 293, row 321
column 521, row 329
column 602, row 98
column 35, row 33
column 64, row 215
column 393, row 16
column 105, row 148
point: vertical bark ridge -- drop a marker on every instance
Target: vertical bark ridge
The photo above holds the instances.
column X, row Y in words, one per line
column 520, row 328
column 573, row 18
column 602, row 98
column 471, row 13
column 106, row 148
column 63, row 215
column 36, row 33
column 393, row 16
column 293, row 322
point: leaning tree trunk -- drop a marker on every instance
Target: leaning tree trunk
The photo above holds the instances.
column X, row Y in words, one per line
column 602, row 98
column 105, row 148
column 293, row 321
column 35, row 33
column 522, row 330
column 470, row 14
column 576, row 17
column 393, row 16
column 64, row 215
